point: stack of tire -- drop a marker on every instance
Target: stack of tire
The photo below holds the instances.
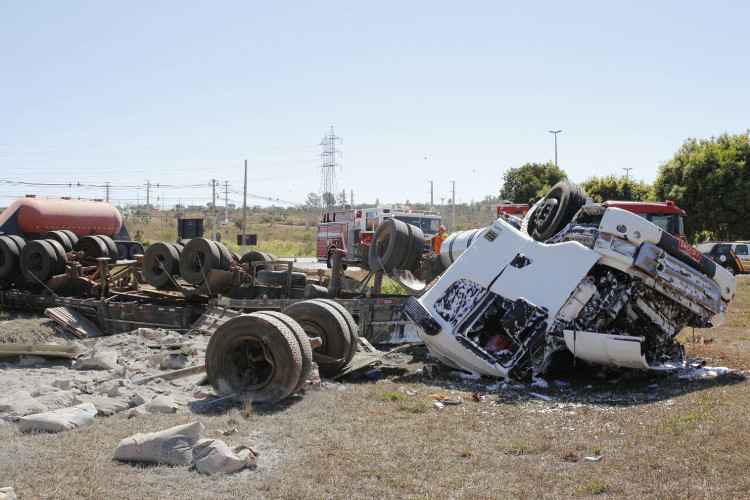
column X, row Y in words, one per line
column 161, row 264
column 200, row 256
column 94, row 247
column 41, row 260
column 265, row 357
column 396, row 245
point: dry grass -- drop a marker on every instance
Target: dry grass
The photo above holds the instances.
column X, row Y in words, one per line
column 675, row 439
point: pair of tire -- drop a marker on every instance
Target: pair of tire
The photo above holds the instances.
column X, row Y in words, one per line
column 11, row 247
column 41, row 260
column 396, row 245
column 161, row 264
column 96, row 246
column 266, row 356
column 67, row 238
column 200, row 256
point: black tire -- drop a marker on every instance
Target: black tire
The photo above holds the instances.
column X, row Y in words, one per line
column 62, row 238
column 237, row 359
column 556, row 210
column 198, row 258
column 62, row 258
column 160, row 262
column 321, row 320
column 255, row 256
column 415, row 249
column 279, row 278
column 10, row 263
column 304, row 344
column 313, row 291
column 73, row 237
column 389, row 246
column 92, row 248
column 110, row 244
column 350, row 322
column 38, row 262
column 226, row 255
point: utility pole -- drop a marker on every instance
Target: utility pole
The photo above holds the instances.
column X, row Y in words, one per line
column 351, row 197
column 453, row 202
column 555, row 132
column 148, row 194
column 106, row 190
column 244, row 208
column 627, row 173
column 432, row 193
column 214, row 182
column 226, row 202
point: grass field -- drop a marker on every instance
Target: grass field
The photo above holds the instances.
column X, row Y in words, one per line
column 660, row 437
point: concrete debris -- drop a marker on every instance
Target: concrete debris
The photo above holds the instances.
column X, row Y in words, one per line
column 595, row 458
column 438, row 405
column 30, row 360
column 97, row 360
column 18, row 404
column 8, row 493
column 173, row 361
column 60, row 420
column 173, row 446
column 58, row 399
column 213, row 456
column 106, row 406
column 162, row 404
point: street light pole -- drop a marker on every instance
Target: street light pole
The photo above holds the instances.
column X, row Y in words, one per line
column 555, row 132
column 627, row 173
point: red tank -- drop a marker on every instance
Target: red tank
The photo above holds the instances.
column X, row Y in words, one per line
column 83, row 217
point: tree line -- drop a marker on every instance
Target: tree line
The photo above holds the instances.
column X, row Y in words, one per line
column 708, row 178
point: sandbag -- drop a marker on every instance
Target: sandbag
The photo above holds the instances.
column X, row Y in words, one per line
column 173, row 446
column 60, row 420
column 213, row 456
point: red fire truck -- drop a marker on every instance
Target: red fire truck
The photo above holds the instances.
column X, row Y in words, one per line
column 352, row 229
column 664, row 214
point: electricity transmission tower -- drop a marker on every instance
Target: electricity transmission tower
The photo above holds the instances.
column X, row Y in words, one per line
column 328, row 164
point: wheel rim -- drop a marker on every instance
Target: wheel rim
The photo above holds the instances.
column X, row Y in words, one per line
column 251, row 364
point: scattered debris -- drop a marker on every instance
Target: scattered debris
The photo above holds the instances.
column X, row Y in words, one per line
column 704, row 372
column 8, row 493
column 595, row 458
column 541, row 396
column 70, row 351
column 173, row 446
column 213, row 456
column 63, row 419
column 162, row 404
column 97, row 360
column 438, row 405
column 72, row 321
column 479, row 397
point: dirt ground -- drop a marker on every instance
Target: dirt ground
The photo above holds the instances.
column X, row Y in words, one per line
column 644, row 436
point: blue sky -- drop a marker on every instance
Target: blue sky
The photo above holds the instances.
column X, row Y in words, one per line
column 180, row 92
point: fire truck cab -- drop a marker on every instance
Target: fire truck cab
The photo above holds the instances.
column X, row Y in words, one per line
column 665, row 214
column 352, row 229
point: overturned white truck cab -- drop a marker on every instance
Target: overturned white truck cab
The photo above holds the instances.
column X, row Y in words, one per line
column 605, row 286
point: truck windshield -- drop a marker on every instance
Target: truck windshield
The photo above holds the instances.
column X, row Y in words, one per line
column 427, row 225
column 671, row 223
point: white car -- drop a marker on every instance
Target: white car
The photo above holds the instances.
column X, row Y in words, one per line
column 606, row 286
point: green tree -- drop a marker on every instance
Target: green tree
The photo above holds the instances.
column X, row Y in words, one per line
column 611, row 187
column 710, row 179
column 530, row 181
